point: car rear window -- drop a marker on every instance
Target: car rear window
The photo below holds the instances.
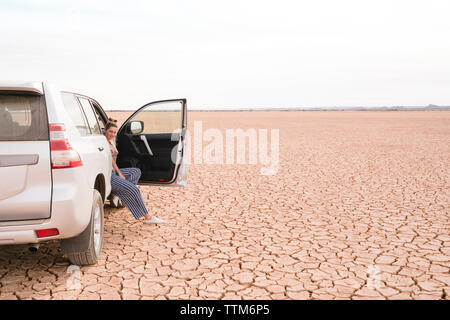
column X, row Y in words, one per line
column 23, row 117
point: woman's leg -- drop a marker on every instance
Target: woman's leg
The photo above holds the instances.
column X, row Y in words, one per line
column 131, row 174
column 130, row 194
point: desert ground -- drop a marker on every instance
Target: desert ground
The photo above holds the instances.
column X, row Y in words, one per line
column 359, row 209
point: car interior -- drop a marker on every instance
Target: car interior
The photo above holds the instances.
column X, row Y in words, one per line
column 149, row 152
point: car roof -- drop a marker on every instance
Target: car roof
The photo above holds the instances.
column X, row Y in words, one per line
column 32, row 86
column 81, row 95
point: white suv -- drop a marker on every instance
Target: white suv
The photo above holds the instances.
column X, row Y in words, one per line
column 55, row 163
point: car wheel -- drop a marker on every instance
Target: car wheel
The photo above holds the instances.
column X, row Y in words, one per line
column 85, row 249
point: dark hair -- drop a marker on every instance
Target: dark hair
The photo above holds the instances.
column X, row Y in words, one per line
column 111, row 123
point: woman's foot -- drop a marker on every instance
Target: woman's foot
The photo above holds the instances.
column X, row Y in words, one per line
column 153, row 220
column 115, row 201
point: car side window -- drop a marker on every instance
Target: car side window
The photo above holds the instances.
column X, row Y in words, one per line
column 75, row 113
column 91, row 117
column 99, row 118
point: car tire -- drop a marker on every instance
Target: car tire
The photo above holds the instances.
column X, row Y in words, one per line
column 85, row 249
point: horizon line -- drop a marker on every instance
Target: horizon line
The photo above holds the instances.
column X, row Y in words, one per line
column 334, row 108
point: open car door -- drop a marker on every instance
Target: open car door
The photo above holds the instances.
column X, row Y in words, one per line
column 152, row 139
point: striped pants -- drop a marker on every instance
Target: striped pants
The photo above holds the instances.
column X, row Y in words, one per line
column 128, row 191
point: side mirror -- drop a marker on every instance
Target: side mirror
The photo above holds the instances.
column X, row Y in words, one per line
column 136, row 127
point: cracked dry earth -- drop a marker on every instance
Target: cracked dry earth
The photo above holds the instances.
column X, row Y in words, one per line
column 359, row 209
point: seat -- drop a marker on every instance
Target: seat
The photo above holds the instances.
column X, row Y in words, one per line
column 7, row 125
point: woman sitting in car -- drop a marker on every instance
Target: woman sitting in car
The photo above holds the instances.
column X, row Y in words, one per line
column 124, row 181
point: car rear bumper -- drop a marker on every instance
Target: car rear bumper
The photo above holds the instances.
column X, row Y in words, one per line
column 71, row 211
column 17, row 237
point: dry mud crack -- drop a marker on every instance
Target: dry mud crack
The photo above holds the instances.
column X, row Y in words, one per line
column 359, row 209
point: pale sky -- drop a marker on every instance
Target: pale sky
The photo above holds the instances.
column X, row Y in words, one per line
column 233, row 53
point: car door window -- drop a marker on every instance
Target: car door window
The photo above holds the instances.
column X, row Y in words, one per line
column 75, row 113
column 91, row 117
column 162, row 118
column 99, row 118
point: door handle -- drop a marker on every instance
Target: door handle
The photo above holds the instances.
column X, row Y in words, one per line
column 144, row 139
column 100, row 148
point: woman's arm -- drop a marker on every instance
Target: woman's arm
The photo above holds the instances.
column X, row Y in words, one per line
column 116, row 168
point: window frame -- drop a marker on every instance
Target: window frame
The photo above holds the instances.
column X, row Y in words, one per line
column 98, row 111
column 79, row 97
column 86, row 123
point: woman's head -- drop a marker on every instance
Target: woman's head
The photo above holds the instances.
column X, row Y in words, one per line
column 111, row 129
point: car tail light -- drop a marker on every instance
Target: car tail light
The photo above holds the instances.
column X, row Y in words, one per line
column 47, row 233
column 63, row 155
